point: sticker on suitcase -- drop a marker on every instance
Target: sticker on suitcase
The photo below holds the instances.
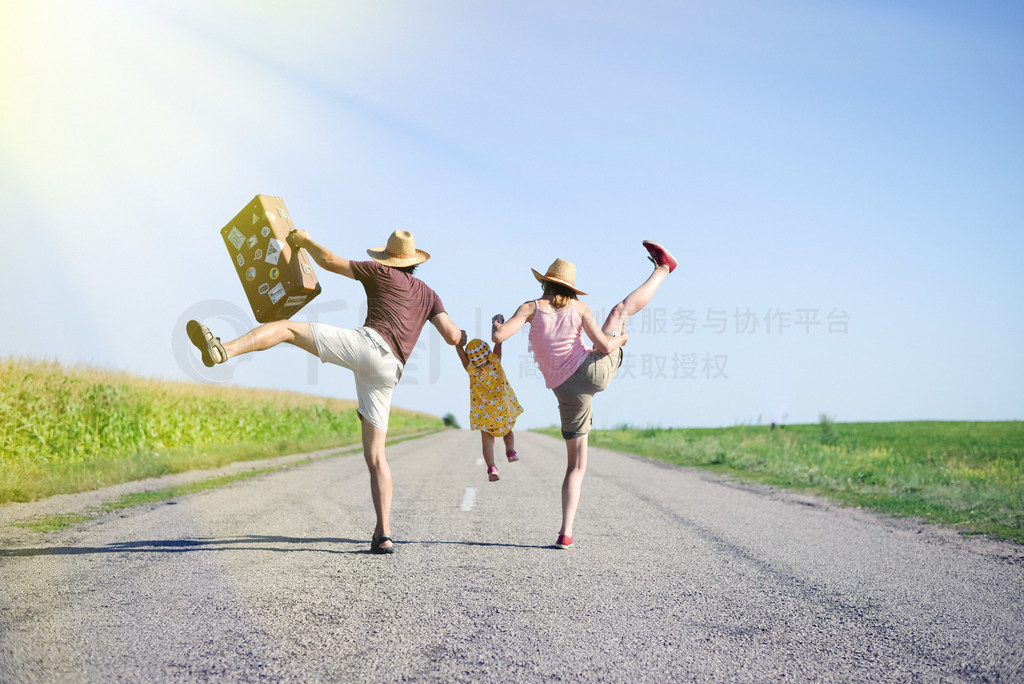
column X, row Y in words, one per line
column 274, row 251
column 236, row 238
column 276, row 293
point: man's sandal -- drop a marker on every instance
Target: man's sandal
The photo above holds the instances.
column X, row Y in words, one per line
column 375, row 544
column 204, row 340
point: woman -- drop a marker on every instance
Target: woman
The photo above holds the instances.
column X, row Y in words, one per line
column 571, row 370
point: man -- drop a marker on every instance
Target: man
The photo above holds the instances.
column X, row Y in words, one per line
column 398, row 305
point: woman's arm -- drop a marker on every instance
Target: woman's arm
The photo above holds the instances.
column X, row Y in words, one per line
column 327, row 259
column 501, row 329
column 602, row 343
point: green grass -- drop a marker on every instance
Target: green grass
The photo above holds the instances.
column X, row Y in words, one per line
column 62, row 520
column 968, row 475
column 72, row 429
column 59, row 521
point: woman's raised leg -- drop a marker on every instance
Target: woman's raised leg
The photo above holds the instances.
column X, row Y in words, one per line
column 615, row 324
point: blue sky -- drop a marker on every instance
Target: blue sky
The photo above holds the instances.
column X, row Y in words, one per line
column 841, row 182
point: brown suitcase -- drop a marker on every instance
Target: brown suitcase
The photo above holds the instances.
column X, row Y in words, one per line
column 277, row 278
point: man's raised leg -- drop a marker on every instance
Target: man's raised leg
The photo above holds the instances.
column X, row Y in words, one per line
column 262, row 337
column 272, row 334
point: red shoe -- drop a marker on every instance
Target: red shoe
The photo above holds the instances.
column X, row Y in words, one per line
column 661, row 256
column 512, row 457
column 492, row 474
column 563, row 542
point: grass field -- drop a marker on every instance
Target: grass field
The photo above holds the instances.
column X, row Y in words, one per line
column 73, row 429
column 969, row 475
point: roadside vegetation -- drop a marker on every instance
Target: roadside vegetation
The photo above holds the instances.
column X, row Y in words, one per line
column 70, row 429
column 969, row 475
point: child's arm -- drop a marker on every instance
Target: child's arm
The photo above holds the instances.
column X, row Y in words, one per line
column 497, row 350
column 462, row 355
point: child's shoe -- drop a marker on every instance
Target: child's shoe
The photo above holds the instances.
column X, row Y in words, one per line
column 511, row 453
column 492, row 474
column 660, row 256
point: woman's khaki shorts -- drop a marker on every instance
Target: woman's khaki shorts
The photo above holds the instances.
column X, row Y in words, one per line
column 369, row 357
column 576, row 395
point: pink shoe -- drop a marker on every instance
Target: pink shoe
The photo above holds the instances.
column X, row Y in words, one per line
column 492, row 474
column 564, row 542
column 661, row 256
column 512, row 458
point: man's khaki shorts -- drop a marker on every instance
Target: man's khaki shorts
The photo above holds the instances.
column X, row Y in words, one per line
column 576, row 395
column 369, row 357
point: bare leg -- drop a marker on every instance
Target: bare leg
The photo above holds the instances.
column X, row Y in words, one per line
column 488, row 448
column 380, row 478
column 615, row 324
column 576, row 451
column 510, row 442
column 270, row 335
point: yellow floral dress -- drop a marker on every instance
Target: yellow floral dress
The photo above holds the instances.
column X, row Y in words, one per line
column 493, row 405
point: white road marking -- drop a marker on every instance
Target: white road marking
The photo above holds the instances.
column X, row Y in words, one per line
column 479, row 461
column 467, row 499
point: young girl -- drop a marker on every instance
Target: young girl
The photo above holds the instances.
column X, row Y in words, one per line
column 493, row 407
column 571, row 370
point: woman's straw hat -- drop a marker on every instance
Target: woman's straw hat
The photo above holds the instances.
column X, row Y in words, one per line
column 478, row 352
column 561, row 272
column 400, row 251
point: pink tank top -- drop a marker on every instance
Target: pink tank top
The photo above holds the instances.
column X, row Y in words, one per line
column 556, row 340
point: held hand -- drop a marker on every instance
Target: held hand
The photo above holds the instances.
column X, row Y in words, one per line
column 497, row 320
column 463, row 339
column 298, row 238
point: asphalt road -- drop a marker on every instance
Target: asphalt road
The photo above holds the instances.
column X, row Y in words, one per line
column 676, row 576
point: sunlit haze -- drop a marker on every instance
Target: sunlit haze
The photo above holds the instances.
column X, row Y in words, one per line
column 840, row 181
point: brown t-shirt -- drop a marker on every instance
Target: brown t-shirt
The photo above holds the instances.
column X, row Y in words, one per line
column 397, row 305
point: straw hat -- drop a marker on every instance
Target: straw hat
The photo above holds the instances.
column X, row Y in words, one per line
column 478, row 352
column 400, row 251
column 562, row 272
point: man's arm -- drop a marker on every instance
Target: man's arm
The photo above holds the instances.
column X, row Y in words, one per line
column 324, row 257
column 602, row 343
column 450, row 332
column 501, row 329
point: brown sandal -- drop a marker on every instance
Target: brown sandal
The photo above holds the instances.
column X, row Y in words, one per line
column 204, row 340
column 375, row 545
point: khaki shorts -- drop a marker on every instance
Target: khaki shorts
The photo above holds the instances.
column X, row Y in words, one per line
column 368, row 356
column 576, row 395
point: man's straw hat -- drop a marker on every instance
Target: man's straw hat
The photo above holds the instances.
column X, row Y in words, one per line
column 562, row 272
column 400, row 251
